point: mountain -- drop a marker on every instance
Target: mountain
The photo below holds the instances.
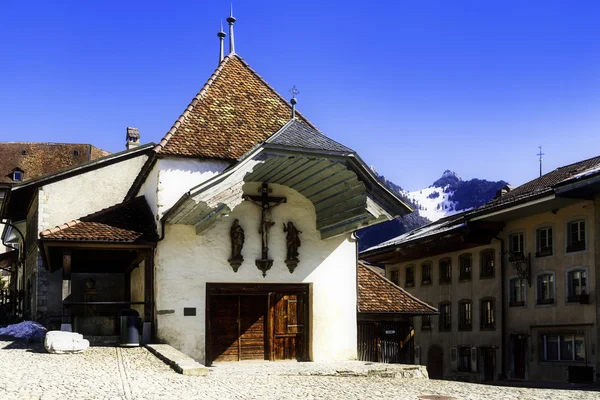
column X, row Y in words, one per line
column 450, row 194
column 446, row 196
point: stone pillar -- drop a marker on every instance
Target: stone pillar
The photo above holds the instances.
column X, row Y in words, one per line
column 66, row 292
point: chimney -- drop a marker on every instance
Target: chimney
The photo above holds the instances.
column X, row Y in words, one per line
column 133, row 138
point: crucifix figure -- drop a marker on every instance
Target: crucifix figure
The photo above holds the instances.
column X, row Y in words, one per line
column 266, row 203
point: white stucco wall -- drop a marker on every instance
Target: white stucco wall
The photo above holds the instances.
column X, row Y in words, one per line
column 185, row 262
column 176, row 176
column 87, row 193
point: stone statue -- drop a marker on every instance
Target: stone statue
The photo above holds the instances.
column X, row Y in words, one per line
column 237, row 243
column 292, row 241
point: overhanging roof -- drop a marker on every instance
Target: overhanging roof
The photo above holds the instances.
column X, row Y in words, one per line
column 345, row 193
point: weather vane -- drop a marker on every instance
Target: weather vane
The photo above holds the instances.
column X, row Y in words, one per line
column 294, row 91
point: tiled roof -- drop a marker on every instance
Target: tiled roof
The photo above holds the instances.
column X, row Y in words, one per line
column 376, row 294
column 128, row 222
column 235, row 110
column 440, row 226
column 37, row 159
column 540, row 186
column 297, row 134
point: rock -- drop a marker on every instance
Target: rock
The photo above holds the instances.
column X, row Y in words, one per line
column 59, row 342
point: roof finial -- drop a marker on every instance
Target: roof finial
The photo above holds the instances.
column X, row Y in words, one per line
column 231, row 19
column 294, row 91
column 221, row 36
column 540, row 154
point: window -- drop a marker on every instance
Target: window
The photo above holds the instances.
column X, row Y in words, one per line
column 488, row 318
column 445, row 317
column 567, row 347
column 426, row 322
column 517, row 292
column 76, row 153
column 464, row 359
column 516, row 243
column 394, row 276
column 23, row 152
column 576, row 236
column 577, row 281
column 17, row 175
column 545, row 289
column 445, row 270
column 410, row 276
column 464, row 315
column 544, row 242
column 426, row 273
column 486, row 259
column 465, row 262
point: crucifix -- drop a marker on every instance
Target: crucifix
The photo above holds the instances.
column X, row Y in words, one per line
column 266, row 203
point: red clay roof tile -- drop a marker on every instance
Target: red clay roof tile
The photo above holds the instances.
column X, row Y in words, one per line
column 235, row 110
column 376, row 294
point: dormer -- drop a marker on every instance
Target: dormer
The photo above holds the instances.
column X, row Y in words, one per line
column 17, row 174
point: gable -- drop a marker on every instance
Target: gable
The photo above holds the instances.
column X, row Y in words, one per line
column 235, row 110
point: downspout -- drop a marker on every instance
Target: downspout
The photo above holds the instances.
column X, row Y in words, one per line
column 503, row 374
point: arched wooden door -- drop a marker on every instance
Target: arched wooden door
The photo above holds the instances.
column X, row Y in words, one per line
column 435, row 362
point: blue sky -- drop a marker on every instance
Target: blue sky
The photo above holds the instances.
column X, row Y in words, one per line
column 416, row 87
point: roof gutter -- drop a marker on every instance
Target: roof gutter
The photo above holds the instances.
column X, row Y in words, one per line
column 484, row 215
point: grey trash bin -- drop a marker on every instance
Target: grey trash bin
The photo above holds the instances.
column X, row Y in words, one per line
column 131, row 325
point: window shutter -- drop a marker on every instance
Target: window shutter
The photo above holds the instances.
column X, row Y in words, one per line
column 454, row 358
column 474, row 359
column 417, row 355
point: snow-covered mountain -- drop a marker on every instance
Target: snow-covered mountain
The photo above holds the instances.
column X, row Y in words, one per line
column 446, row 196
column 436, row 201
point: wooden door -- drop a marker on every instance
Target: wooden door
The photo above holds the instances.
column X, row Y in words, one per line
column 435, row 362
column 224, row 331
column 520, row 355
column 489, row 363
column 237, row 327
column 368, row 341
column 253, row 310
column 288, row 326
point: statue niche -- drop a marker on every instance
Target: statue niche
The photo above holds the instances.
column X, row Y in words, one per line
column 292, row 242
column 237, row 243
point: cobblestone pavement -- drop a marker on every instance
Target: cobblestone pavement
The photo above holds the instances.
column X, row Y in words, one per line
column 27, row 372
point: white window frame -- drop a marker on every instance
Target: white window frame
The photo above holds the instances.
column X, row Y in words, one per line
column 544, row 354
column 539, row 274
column 14, row 175
column 568, row 234
column 537, row 239
column 568, row 272
column 517, row 232
column 524, row 291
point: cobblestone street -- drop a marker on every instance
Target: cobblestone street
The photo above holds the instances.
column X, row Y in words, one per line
column 28, row 372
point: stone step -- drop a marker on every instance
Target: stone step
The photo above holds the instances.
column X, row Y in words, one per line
column 103, row 340
column 180, row 362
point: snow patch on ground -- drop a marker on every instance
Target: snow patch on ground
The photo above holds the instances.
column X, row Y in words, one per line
column 24, row 330
column 433, row 208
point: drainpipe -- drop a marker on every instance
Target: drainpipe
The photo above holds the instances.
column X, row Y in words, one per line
column 503, row 374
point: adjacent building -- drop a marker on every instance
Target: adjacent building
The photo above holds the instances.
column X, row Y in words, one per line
column 515, row 282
